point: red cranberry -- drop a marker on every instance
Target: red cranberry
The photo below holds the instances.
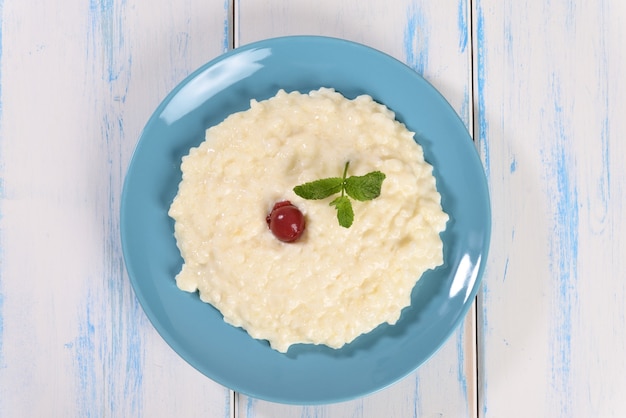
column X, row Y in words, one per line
column 286, row 221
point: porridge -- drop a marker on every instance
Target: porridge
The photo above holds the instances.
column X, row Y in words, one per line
column 333, row 283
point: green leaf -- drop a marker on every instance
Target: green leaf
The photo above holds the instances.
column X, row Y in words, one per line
column 361, row 188
column 345, row 214
column 365, row 187
column 319, row 189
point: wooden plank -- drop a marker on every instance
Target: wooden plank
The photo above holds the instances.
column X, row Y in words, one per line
column 434, row 40
column 551, row 105
column 78, row 82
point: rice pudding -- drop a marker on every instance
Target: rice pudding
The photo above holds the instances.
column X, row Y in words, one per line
column 334, row 283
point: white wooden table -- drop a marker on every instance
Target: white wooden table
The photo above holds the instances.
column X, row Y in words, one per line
column 541, row 85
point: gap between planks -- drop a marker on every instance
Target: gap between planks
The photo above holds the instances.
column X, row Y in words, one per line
column 475, row 132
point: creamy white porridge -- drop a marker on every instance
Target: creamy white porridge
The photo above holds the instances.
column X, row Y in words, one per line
column 333, row 284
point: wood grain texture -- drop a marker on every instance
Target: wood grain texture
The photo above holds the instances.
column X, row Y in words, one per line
column 79, row 79
column 551, row 101
column 433, row 38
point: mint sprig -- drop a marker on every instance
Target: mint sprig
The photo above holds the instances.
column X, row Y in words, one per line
column 361, row 188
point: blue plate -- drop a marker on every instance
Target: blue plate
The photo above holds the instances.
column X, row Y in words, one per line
column 306, row 374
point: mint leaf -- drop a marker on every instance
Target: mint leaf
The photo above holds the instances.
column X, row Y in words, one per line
column 365, row 187
column 361, row 188
column 319, row 189
column 345, row 214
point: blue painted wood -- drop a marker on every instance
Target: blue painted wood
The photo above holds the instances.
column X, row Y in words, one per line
column 79, row 79
column 77, row 82
column 550, row 98
column 434, row 39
